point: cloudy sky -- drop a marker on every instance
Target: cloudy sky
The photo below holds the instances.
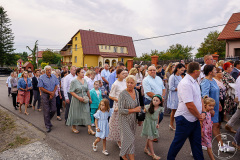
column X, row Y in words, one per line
column 54, row 22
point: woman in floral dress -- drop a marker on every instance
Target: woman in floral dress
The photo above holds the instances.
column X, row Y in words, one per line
column 229, row 103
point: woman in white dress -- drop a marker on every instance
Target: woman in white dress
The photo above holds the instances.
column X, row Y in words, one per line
column 118, row 86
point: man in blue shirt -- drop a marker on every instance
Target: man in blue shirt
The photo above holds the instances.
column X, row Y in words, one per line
column 48, row 85
column 105, row 75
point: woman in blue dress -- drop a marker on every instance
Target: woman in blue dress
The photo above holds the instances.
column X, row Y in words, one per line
column 172, row 101
column 210, row 88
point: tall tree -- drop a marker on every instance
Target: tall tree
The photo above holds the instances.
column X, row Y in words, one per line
column 6, row 36
column 33, row 53
column 51, row 57
column 179, row 51
column 212, row 45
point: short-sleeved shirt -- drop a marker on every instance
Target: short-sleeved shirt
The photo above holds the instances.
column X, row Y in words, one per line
column 48, row 83
column 8, row 81
column 105, row 73
column 154, row 85
column 188, row 91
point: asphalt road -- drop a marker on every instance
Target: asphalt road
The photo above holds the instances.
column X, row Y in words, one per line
column 80, row 144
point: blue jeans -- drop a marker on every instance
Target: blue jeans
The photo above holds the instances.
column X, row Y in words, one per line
column 184, row 130
column 147, row 102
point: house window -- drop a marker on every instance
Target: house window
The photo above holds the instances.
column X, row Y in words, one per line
column 105, row 47
column 122, row 49
column 101, row 46
column 237, row 52
column 70, row 59
column 109, row 47
column 75, row 38
column 122, row 59
column 238, row 28
column 75, row 59
column 115, row 49
column 75, row 47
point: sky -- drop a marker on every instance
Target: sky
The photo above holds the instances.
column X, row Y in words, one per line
column 54, row 22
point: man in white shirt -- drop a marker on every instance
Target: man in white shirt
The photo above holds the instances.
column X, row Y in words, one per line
column 9, row 84
column 85, row 69
column 98, row 75
column 189, row 114
column 66, row 86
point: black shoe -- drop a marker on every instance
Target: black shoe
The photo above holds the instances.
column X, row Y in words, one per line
column 15, row 108
column 48, row 130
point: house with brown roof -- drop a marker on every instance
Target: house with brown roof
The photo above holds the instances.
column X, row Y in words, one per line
column 231, row 34
column 40, row 53
column 90, row 48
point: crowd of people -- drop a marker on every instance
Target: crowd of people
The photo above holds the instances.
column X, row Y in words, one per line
column 114, row 100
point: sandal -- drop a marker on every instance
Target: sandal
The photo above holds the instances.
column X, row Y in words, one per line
column 147, row 152
column 26, row 113
column 105, row 153
column 59, row 118
column 90, row 131
column 75, row 131
column 119, row 146
column 94, row 147
column 155, row 157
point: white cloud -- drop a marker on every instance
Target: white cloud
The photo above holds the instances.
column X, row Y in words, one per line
column 53, row 22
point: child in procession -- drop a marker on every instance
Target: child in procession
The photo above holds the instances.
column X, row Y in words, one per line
column 150, row 124
column 101, row 122
column 96, row 97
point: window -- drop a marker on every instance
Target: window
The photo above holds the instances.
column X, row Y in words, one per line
column 109, row 47
column 101, row 46
column 75, row 47
column 122, row 59
column 238, row 28
column 105, row 47
column 115, row 49
column 75, row 38
column 122, row 49
column 237, row 52
column 75, row 60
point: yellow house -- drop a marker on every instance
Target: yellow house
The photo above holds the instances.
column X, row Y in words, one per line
column 90, row 48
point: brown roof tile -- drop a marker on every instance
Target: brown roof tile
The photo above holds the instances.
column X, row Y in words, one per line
column 229, row 30
column 91, row 40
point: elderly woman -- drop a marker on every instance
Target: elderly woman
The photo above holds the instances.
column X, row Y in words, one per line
column 172, row 101
column 24, row 86
column 14, row 82
column 128, row 103
column 79, row 112
column 230, row 105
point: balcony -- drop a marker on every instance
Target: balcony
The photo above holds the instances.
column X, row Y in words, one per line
column 66, row 53
column 66, row 63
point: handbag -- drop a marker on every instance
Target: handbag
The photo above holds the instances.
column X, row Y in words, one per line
column 85, row 98
column 139, row 115
column 14, row 89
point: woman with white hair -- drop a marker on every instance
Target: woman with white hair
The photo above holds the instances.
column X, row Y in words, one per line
column 128, row 103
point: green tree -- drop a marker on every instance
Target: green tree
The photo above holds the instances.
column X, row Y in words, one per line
column 212, row 45
column 51, row 57
column 33, row 53
column 6, row 36
column 178, row 51
column 24, row 56
column 11, row 59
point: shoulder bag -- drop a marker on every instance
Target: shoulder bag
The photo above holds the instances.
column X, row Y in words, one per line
column 139, row 115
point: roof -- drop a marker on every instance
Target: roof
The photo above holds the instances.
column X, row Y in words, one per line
column 25, row 64
column 229, row 30
column 40, row 54
column 91, row 40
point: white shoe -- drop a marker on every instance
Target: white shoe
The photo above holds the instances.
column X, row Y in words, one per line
column 191, row 154
column 229, row 148
column 105, row 153
column 93, row 125
column 226, row 148
column 94, row 147
column 204, row 148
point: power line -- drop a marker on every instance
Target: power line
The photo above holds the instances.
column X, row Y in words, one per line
column 161, row 36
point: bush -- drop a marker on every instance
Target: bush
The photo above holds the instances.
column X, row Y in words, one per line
column 44, row 64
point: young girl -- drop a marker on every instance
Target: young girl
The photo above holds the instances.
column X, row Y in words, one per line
column 150, row 124
column 101, row 122
column 207, row 124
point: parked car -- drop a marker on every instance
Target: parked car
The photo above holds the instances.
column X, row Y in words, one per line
column 5, row 71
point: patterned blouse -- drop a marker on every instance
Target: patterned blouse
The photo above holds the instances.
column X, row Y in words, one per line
column 229, row 103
